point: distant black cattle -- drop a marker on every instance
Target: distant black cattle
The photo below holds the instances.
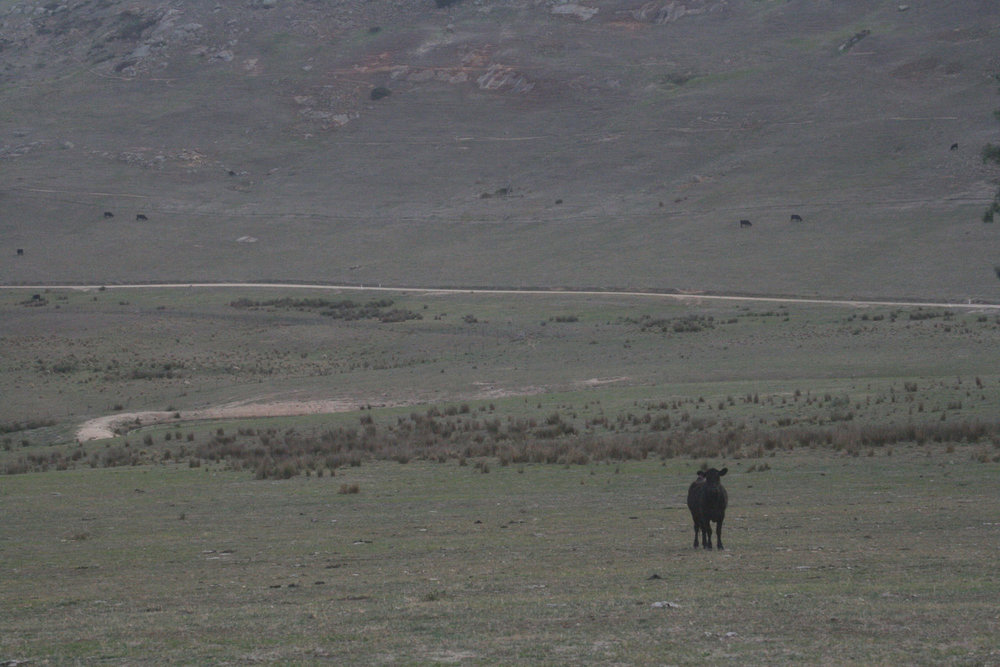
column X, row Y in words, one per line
column 954, row 147
column 707, row 500
column 109, row 214
column 20, row 251
column 140, row 217
column 796, row 217
column 746, row 223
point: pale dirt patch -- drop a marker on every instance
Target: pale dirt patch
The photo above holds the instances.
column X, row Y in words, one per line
column 489, row 390
column 596, row 382
column 452, row 657
column 109, row 426
column 106, row 427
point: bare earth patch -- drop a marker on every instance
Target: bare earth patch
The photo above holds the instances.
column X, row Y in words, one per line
column 596, row 382
column 107, row 426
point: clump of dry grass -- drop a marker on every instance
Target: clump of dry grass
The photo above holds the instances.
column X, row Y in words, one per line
column 555, row 437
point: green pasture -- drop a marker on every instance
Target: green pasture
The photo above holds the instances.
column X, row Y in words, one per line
column 829, row 558
column 854, row 550
column 72, row 355
column 504, row 481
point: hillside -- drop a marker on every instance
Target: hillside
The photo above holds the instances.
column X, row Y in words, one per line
column 605, row 143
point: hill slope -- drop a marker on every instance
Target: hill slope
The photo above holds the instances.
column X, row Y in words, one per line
column 531, row 143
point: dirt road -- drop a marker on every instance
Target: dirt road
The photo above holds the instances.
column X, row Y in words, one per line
column 676, row 296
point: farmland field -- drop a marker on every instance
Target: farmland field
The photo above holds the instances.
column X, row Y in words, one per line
column 394, row 332
column 880, row 559
column 502, row 480
column 75, row 354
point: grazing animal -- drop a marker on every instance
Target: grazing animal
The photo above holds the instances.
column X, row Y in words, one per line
column 707, row 500
column 109, row 214
column 954, row 147
column 796, row 217
column 20, row 252
column 694, row 503
column 140, row 217
column 746, row 223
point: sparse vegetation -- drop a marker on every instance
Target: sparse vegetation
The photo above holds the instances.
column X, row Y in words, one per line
column 376, row 309
column 29, row 425
column 317, row 469
column 304, row 226
column 528, row 564
column 737, row 428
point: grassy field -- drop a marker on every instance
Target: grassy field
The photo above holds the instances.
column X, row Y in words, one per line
column 830, row 558
column 628, row 163
column 508, row 482
column 498, row 478
column 72, row 355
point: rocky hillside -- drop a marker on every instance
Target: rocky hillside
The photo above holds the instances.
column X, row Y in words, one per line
column 601, row 142
column 314, row 66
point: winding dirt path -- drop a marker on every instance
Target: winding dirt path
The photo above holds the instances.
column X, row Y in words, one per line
column 109, row 426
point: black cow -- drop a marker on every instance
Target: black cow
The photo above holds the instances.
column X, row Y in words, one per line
column 694, row 502
column 954, row 147
column 796, row 217
column 109, row 214
column 140, row 217
column 746, row 223
column 20, row 252
column 707, row 500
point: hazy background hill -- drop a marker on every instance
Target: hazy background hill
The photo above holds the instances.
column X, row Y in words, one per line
column 605, row 143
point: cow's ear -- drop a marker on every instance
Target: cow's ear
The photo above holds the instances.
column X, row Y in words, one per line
column 723, row 471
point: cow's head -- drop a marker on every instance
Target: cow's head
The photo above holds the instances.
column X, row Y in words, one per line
column 712, row 476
